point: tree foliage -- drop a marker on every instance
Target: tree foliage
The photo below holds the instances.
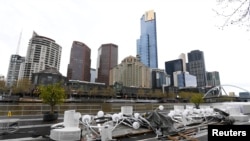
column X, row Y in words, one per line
column 3, row 88
column 197, row 99
column 193, row 97
column 22, row 86
column 52, row 94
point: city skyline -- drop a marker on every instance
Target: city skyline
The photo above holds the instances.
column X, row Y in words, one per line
column 96, row 22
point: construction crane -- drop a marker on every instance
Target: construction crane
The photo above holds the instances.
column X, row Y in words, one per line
column 19, row 42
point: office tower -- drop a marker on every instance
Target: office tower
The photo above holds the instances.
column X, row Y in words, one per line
column 159, row 78
column 213, row 79
column 107, row 59
column 173, row 66
column 42, row 53
column 184, row 80
column 131, row 72
column 196, row 67
column 147, row 44
column 183, row 57
column 80, row 62
column 14, row 69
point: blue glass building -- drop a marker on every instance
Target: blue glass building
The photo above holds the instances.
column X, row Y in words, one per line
column 147, row 44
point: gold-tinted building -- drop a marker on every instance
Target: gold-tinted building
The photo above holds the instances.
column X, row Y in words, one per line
column 131, row 72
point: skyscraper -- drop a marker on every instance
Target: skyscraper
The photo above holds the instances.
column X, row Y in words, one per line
column 42, row 53
column 196, row 66
column 213, row 78
column 173, row 66
column 107, row 59
column 80, row 62
column 147, row 44
column 14, row 68
column 183, row 57
column 159, row 78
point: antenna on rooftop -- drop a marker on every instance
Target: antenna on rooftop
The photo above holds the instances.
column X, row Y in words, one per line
column 19, row 41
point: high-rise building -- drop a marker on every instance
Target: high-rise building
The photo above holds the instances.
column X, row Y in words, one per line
column 147, row 44
column 80, row 62
column 173, row 66
column 184, row 80
column 213, row 79
column 131, row 73
column 107, row 59
column 42, row 53
column 183, row 57
column 196, row 67
column 14, row 69
column 159, row 78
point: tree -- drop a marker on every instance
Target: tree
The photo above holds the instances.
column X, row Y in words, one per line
column 22, row 86
column 93, row 91
column 3, row 88
column 140, row 93
column 52, row 95
column 197, row 99
column 233, row 12
column 185, row 96
column 194, row 97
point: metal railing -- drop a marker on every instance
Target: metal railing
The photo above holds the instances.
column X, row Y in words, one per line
column 27, row 109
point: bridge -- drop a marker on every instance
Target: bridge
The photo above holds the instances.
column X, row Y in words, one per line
column 220, row 92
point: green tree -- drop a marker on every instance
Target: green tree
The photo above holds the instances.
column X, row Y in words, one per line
column 158, row 93
column 185, row 95
column 93, row 91
column 197, row 99
column 3, row 88
column 22, row 86
column 140, row 93
column 52, row 95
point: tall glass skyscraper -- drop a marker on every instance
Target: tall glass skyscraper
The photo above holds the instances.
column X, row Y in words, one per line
column 147, row 44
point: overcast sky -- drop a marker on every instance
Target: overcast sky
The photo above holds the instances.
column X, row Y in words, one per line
column 182, row 26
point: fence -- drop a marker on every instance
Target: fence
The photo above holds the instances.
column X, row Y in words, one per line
column 26, row 109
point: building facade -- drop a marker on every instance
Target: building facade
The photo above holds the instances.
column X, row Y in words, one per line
column 42, row 53
column 184, row 80
column 159, row 78
column 183, row 57
column 213, row 79
column 196, row 67
column 147, row 44
column 14, row 69
column 48, row 76
column 131, row 73
column 106, row 60
column 173, row 66
column 93, row 75
column 80, row 62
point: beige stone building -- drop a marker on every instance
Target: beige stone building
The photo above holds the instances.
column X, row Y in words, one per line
column 131, row 72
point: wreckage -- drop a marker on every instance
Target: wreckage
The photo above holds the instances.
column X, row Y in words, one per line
column 177, row 124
